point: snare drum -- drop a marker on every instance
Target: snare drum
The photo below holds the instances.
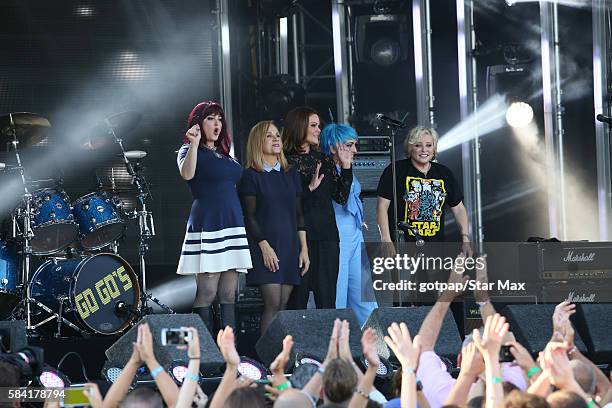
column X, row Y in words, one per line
column 9, row 267
column 52, row 222
column 98, row 218
column 90, row 289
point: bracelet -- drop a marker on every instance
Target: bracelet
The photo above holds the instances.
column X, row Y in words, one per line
column 156, row 371
column 486, row 302
column 361, row 392
column 496, row 380
column 283, row 386
column 532, row 371
column 192, row 376
column 408, row 370
column 194, row 358
column 591, row 403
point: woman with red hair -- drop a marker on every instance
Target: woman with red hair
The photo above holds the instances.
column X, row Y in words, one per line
column 215, row 246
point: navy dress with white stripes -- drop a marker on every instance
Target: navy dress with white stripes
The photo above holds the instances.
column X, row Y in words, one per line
column 216, row 239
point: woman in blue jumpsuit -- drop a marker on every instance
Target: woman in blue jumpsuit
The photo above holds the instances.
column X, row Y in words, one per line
column 349, row 219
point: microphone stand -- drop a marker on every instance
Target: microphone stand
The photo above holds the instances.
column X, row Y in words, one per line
column 146, row 226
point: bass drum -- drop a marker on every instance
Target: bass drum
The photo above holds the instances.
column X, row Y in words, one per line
column 90, row 289
column 9, row 272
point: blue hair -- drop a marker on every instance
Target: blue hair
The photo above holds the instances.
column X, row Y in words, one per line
column 333, row 134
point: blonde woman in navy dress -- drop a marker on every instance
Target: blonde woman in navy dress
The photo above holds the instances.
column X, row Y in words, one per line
column 271, row 200
column 215, row 246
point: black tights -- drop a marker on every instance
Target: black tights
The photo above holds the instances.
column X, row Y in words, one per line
column 275, row 299
column 211, row 285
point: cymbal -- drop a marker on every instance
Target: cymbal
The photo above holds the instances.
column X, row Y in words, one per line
column 121, row 123
column 30, row 128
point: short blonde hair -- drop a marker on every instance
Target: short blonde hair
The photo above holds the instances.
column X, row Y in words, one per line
column 254, row 153
column 416, row 134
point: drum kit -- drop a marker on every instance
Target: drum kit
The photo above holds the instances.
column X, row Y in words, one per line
column 82, row 282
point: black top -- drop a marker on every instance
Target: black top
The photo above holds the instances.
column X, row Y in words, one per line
column 319, row 217
column 422, row 198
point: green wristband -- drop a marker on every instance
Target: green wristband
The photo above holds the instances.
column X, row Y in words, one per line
column 591, row 403
column 532, row 371
column 496, row 380
column 283, row 386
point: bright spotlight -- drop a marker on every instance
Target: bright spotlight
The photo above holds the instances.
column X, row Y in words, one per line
column 519, row 114
column 510, row 3
column 252, row 369
column 52, row 378
column 178, row 371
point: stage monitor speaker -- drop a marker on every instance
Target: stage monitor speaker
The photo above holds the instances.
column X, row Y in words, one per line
column 13, row 335
column 449, row 340
column 594, row 323
column 311, row 330
column 532, row 326
column 211, row 360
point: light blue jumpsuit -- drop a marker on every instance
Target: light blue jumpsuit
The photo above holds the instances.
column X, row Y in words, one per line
column 353, row 257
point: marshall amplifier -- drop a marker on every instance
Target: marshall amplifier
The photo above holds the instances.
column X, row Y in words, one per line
column 568, row 261
column 373, row 155
column 368, row 170
column 576, row 293
column 374, row 145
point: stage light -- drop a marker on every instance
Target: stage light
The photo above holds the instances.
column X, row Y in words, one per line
column 111, row 371
column 305, row 358
column 519, row 114
column 252, row 369
column 178, row 370
column 84, row 11
column 279, row 94
column 53, row 378
column 510, row 3
column 381, row 39
column 383, row 372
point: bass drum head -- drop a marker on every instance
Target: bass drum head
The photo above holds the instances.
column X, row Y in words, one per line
column 101, row 282
column 9, row 272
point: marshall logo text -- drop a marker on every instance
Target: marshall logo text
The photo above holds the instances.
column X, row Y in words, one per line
column 570, row 257
column 581, row 298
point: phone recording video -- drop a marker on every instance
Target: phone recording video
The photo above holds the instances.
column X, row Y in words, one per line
column 175, row 337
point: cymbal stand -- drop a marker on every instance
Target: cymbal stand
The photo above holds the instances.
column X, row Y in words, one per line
column 146, row 227
column 27, row 235
column 28, row 232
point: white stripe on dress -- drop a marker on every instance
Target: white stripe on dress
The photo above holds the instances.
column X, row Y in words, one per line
column 238, row 259
column 215, row 234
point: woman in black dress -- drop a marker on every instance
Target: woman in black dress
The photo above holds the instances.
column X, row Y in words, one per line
column 321, row 183
column 270, row 193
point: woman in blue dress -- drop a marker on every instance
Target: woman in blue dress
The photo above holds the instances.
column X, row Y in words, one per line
column 354, row 264
column 270, row 193
column 215, row 246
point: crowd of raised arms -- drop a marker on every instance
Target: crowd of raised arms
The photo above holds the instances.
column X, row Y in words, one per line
column 560, row 376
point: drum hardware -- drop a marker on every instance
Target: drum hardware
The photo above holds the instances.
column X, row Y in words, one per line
column 122, row 123
column 22, row 126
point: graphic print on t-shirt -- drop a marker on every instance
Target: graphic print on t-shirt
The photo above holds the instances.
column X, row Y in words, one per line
column 424, row 201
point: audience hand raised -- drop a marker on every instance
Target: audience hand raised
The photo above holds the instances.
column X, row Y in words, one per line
column 225, row 342
column 406, row 349
column 368, row 347
column 494, row 331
